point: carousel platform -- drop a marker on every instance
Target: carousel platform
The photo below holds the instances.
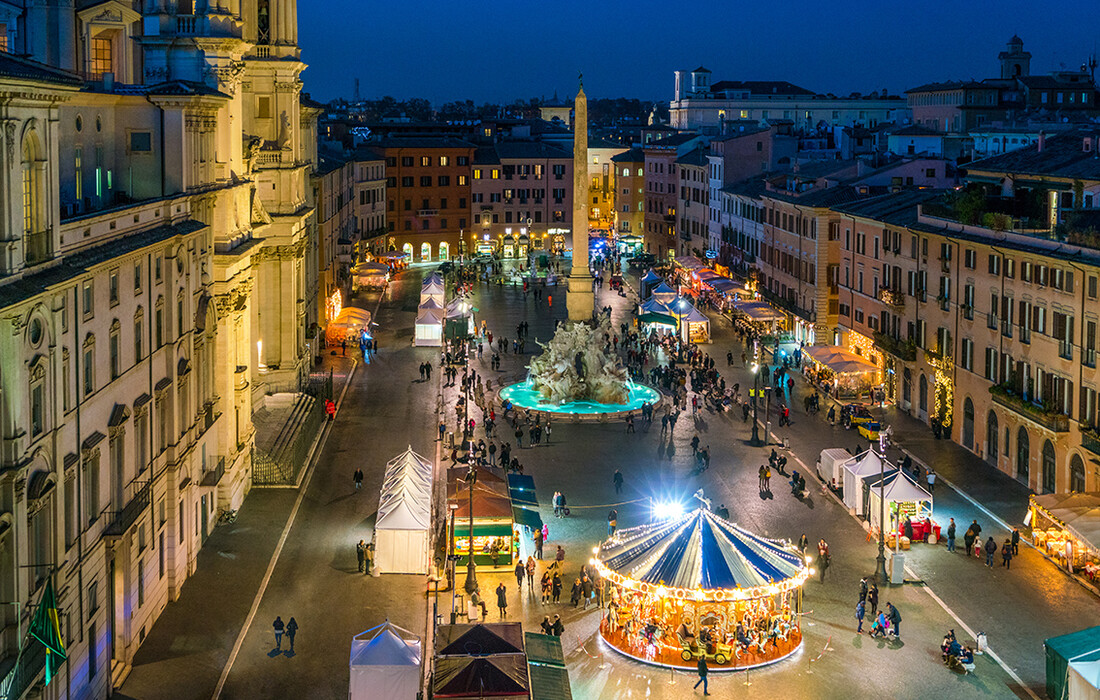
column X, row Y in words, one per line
column 635, row 647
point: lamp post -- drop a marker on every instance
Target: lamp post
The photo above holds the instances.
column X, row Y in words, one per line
column 880, row 560
column 471, row 570
column 451, row 561
column 755, row 395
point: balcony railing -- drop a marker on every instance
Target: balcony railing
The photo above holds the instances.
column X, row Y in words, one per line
column 1051, row 420
column 36, row 248
column 427, row 212
column 185, row 25
column 905, row 350
column 1090, row 440
column 892, row 297
column 123, row 520
column 212, row 477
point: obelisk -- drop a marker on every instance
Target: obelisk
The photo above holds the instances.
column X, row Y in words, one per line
column 580, row 300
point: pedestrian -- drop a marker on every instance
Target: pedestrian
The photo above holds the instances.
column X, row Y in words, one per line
column 861, row 610
column 612, row 522
column 344, row 346
column 361, row 555
column 761, row 478
column 586, row 590
column 521, row 572
column 1015, row 541
column 278, row 626
column 502, row 600
column 1006, row 554
column 575, row 593
column 990, row 550
column 618, row 481
column 702, row 666
column 442, row 430
column 872, row 598
column 370, row 556
column 803, row 542
column 538, row 543
column 894, row 617
column 559, row 557
column 931, row 476
column 291, row 630
column 695, row 445
column 767, row 479
column 951, row 535
column 823, row 558
column 557, row 628
column 630, row 422
column 545, row 583
column 863, row 589
column 556, row 587
column 547, row 628
column 358, row 478
column 968, row 537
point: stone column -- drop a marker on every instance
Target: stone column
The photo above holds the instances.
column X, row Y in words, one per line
column 580, row 301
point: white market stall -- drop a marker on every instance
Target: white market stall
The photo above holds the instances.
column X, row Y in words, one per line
column 432, row 289
column 369, row 275
column 401, row 533
column 694, row 324
column 869, row 463
column 429, row 324
column 385, row 663
column 903, row 497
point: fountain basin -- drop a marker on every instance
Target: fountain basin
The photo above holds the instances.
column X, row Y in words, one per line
column 522, row 395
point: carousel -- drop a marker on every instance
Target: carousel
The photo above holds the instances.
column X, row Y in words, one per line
column 699, row 585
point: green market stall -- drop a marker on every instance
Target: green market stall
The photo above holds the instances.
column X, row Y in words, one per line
column 495, row 543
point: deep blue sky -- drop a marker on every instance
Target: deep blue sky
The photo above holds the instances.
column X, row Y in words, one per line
column 489, row 50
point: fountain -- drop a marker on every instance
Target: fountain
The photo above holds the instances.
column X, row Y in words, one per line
column 574, row 375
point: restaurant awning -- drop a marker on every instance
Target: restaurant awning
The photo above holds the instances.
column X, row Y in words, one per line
column 838, row 359
column 689, row 262
column 759, row 311
column 1078, row 512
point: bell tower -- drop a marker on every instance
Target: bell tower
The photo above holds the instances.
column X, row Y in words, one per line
column 1015, row 62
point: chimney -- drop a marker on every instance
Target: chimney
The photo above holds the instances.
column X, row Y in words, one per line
column 1042, row 141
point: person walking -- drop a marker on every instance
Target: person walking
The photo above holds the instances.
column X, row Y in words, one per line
column 767, row 479
column 1015, row 541
column 822, row 558
column 538, row 543
column 361, row 555
column 559, row 557
column 612, row 522
column 291, row 630
column 702, row 670
column 575, row 593
column 872, row 598
column 521, row 573
column 556, row 588
column 951, row 535
column 1006, row 554
column 530, row 574
column 861, row 610
column 279, row 627
column 894, row 617
column 358, row 478
column 761, row 478
column 968, row 538
column 803, row 543
column 990, row 550
column 546, row 583
column 502, row 600
column 863, row 589
column 695, row 445
column 557, row 628
column 618, row 481
column 931, row 476
column 586, row 590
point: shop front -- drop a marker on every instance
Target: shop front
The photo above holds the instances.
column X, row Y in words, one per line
column 494, row 541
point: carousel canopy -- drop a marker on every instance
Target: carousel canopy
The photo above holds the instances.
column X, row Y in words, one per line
column 701, row 553
column 839, row 360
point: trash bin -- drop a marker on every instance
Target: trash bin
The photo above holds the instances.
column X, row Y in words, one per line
column 895, row 563
column 449, row 443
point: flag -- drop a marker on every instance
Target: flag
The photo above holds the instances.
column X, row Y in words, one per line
column 46, row 628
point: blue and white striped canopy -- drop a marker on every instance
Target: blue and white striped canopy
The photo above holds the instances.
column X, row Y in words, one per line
column 700, row 551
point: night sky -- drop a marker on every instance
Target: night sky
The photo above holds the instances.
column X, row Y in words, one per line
column 491, row 51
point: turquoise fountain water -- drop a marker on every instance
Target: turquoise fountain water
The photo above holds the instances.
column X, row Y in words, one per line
column 523, row 396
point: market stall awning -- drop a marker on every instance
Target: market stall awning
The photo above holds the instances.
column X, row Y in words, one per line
column 663, row 319
column 724, row 285
column 899, row 487
column 759, row 311
column 698, row 550
column 1078, row 512
column 689, row 262
column 693, row 315
column 651, row 276
column 838, row 359
column 663, row 293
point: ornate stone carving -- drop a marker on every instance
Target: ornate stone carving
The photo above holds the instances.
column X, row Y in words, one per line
column 233, row 300
column 10, row 127
column 108, row 15
column 155, row 74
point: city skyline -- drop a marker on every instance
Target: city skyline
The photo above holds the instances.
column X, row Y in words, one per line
column 450, row 63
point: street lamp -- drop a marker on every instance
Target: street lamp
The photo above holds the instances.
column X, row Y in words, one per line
column 880, row 560
column 471, row 570
column 755, row 396
column 451, row 562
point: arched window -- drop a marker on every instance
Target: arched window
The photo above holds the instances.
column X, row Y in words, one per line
column 1077, row 474
column 425, row 252
column 968, row 424
column 407, row 249
column 139, row 334
column 1023, row 455
column 991, row 451
column 38, row 398
column 1050, row 468
column 444, row 251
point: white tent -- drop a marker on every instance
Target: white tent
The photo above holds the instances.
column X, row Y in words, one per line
column 1084, row 680
column 663, row 293
column 868, row 463
column 404, row 516
column 385, row 663
column 432, row 289
column 899, row 488
column 429, row 323
column 694, row 324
